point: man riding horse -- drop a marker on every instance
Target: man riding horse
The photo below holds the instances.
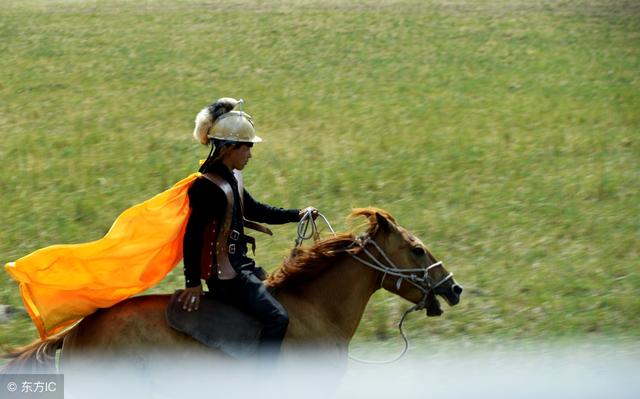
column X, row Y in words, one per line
column 215, row 244
column 325, row 288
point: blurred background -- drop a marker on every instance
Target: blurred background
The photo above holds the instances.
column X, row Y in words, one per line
column 505, row 134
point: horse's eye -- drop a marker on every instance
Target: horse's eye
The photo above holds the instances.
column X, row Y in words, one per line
column 418, row 251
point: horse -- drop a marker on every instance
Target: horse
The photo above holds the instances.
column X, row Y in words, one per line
column 325, row 289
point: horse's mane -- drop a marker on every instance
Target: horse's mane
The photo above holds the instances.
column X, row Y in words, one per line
column 304, row 264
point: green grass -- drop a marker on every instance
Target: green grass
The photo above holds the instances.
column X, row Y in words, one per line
column 504, row 134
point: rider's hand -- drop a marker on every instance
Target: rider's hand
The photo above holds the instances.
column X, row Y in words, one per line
column 314, row 212
column 190, row 298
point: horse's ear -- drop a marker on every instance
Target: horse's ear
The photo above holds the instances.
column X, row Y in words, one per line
column 379, row 219
column 383, row 222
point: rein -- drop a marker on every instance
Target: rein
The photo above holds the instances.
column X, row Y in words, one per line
column 417, row 277
column 306, row 221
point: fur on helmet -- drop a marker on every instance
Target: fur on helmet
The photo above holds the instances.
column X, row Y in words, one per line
column 207, row 117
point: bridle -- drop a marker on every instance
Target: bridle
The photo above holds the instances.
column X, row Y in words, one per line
column 418, row 277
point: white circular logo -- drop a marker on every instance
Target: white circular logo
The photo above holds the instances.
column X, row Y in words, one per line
column 12, row 386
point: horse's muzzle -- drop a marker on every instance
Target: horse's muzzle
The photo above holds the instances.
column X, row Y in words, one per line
column 456, row 292
column 451, row 293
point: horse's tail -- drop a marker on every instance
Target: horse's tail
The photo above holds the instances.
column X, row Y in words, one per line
column 37, row 357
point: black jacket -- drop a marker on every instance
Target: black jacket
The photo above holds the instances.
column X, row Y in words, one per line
column 208, row 203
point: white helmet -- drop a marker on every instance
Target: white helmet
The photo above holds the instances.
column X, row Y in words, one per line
column 221, row 121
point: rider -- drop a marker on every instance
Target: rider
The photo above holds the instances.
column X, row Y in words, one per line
column 215, row 246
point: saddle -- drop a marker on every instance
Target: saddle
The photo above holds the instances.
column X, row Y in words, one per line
column 216, row 325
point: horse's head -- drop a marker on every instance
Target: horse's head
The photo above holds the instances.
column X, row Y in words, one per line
column 406, row 266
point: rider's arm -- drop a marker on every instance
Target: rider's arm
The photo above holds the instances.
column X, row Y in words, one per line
column 263, row 213
column 207, row 203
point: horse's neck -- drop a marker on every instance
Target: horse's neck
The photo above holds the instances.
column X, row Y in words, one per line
column 330, row 306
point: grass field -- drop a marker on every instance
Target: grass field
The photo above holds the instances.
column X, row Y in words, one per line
column 505, row 134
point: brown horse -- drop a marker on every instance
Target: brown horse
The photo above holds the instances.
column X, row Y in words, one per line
column 325, row 290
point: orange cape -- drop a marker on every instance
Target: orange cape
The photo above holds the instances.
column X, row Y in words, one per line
column 61, row 284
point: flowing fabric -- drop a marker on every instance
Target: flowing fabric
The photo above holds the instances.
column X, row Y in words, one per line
column 61, row 284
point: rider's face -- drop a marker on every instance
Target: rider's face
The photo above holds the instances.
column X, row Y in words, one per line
column 238, row 157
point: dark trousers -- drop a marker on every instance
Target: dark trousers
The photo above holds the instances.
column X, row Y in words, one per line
column 247, row 293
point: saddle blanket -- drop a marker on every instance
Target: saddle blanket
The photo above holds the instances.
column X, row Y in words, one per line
column 216, row 325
